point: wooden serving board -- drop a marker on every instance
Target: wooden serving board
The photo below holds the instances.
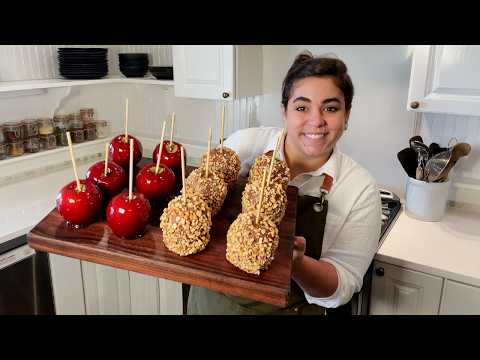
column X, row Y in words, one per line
column 148, row 255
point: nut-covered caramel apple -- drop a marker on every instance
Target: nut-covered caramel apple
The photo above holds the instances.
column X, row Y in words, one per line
column 225, row 163
column 186, row 224
column 212, row 189
column 274, row 201
column 280, row 170
column 251, row 245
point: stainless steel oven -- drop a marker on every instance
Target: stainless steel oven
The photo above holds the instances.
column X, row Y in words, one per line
column 25, row 285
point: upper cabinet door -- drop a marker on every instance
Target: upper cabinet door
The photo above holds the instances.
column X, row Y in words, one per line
column 204, row 71
column 445, row 79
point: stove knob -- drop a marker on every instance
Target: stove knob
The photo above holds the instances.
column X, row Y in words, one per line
column 380, row 271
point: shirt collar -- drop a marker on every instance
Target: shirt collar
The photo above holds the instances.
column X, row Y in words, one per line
column 331, row 167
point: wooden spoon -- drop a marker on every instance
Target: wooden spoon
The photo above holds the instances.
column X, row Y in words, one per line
column 459, row 150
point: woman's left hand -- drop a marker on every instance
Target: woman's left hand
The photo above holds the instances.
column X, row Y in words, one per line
column 299, row 245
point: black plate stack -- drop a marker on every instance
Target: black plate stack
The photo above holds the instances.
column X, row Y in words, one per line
column 162, row 72
column 133, row 64
column 83, row 63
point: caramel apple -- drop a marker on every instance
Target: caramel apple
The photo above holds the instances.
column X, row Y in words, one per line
column 79, row 206
column 154, row 185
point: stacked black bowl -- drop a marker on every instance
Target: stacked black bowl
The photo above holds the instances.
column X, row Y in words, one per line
column 83, row 63
column 133, row 65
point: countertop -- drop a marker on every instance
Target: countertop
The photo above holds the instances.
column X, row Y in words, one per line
column 449, row 248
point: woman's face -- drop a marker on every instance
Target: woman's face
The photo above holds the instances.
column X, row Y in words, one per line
column 315, row 116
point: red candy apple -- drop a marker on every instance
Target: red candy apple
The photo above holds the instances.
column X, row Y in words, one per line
column 80, row 207
column 128, row 218
column 155, row 186
column 111, row 184
column 171, row 155
column 119, row 150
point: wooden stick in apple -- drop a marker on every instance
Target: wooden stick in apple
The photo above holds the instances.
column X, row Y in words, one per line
column 274, row 157
column 261, row 196
column 183, row 174
column 172, row 129
column 126, row 120
column 161, row 148
column 208, row 150
column 105, row 171
column 130, row 175
column 222, row 127
column 72, row 157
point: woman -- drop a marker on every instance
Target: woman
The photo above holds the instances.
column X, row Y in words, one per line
column 337, row 234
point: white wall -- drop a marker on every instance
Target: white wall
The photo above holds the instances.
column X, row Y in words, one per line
column 379, row 125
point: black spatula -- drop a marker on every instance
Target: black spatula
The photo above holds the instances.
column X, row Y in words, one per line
column 408, row 159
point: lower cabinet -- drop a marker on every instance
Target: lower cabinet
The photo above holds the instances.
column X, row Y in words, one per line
column 82, row 287
column 400, row 291
column 460, row 299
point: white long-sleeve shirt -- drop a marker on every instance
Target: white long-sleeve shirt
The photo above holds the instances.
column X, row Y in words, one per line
column 353, row 221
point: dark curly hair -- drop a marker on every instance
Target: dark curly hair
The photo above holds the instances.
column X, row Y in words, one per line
column 306, row 65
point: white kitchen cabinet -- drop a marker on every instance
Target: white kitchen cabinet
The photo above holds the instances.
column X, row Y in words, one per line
column 82, row 287
column 460, row 299
column 217, row 72
column 445, row 79
column 399, row 291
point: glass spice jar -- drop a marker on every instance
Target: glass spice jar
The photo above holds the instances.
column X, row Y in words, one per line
column 60, row 123
column 32, row 144
column 90, row 132
column 102, row 129
column 13, row 131
column 16, row 148
column 62, row 138
column 3, row 151
column 77, row 136
column 76, row 123
column 86, row 115
column 31, row 127
column 70, row 119
column 46, row 126
column 48, row 142
column 2, row 137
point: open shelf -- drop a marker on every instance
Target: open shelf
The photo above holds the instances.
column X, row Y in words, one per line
column 6, row 86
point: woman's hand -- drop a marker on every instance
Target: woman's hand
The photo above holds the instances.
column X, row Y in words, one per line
column 299, row 245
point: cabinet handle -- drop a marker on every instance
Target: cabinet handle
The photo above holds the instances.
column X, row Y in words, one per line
column 380, row 271
column 414, row 104
column 225, row 95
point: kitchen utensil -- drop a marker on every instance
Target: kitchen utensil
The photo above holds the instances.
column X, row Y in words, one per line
column 422, row 151
column 436, row 165
column 408, row 159
column 459, row 150
column 415, row 138
column 434, row 149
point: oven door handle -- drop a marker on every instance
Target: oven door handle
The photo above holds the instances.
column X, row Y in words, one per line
column 13, row 256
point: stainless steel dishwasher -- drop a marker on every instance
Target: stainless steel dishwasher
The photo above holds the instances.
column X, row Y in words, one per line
column 25, row 285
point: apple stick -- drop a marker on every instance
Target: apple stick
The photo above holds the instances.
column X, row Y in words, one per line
column 261, row 196
column 222, row 127
column 183, row 173
column 130, row 177
column 106, row 160
column 126, row 120
column 274, row 157
column 161, row 148
column 172, row 128
column 72, row 157
column 208, row 150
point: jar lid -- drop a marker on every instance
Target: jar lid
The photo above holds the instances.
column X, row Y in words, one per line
column 18, row 143
column 30, row 121
column 12, row 123
column 60, row 117
column 101, row 123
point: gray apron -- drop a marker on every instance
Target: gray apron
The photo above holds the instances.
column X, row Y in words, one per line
column 310, row 223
